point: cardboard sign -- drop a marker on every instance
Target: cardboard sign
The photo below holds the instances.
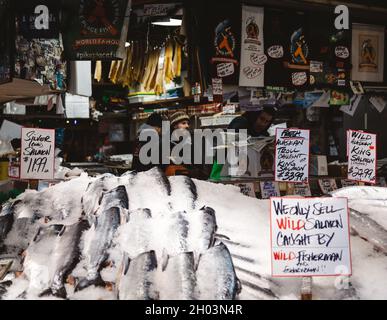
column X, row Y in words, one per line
column 269, row 189
column 248, row 189
column 362, row 156
column 310, row 237
column 348, row 183
column 292, row 155
column 37, row 154
column 327, row 185
column 298, row 189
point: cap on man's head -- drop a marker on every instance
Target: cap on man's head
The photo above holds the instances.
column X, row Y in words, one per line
column 178, row 117
column 155, row 120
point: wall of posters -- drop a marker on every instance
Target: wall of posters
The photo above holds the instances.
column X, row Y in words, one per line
column 368, row 52
column 253, row 58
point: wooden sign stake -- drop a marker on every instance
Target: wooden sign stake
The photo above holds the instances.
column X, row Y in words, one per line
column 306, row 288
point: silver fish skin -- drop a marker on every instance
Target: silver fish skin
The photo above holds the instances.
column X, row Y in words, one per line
column 136, row 280
column 215, row 275
column 176, row 234
column 65, row 256
column 179, row 277
column 369, row 229
column 6, row 220
column 93, row 193
column 135, row 234
column 202, row 233
column 95, row 252
column 117, row 197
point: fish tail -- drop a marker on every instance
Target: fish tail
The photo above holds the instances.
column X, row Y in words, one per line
column 85, row 283
column 59, row 293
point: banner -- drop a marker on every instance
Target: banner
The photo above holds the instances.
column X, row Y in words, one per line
column 95, row 28
column 362, row 156
column 37, row 154
column 292, row 155
column 287, row 46
column 310, row 237
column 253, row 56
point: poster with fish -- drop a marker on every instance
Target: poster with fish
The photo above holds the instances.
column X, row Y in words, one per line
column 287, row 47
column 253, row 58
column 310, row 237
column 368, row 52
column 37, row 154
column 292, row 155
column 95, row 28
column 362, row 156
column 224, row 41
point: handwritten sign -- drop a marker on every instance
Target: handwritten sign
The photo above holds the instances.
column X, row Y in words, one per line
column 292, row 155
column 248, row 189
column 348, row 183
column 37, row 157
column 298, row 189
column 225, row 69
column 327, row 185
column 310, row 237
column 269, row 189
column 362, row 156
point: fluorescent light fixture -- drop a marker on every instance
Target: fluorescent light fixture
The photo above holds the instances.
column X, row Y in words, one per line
column 127, row 44
column 171, row 23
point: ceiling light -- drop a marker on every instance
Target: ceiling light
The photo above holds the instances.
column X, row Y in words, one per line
column 171, row 23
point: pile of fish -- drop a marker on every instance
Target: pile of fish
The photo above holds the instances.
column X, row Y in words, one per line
column 137, row 236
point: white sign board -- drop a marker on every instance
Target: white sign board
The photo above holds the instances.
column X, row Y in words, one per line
column 310, row 237
column 292, row 155
column 253, row 56
column 269, row 189
column 37, row 154
column 362, row 156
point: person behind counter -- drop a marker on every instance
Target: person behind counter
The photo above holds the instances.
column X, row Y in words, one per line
column 178, row 121
column 154, row 122
column 256, row 123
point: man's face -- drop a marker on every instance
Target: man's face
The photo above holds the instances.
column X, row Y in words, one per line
column 263, row 121
column 182, row 125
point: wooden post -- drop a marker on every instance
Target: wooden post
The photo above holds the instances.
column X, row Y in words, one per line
column 306, row 288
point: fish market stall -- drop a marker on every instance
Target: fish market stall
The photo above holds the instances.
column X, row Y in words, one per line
column 113, row 237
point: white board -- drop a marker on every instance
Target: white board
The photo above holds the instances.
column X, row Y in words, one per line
column 253, row 58
column 362, row 156
column 310, row 237
column 37, row 154
column 292, row 155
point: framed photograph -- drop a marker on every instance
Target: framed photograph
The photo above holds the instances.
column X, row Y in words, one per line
column 367, row 52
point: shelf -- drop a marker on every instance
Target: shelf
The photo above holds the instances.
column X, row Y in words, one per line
column 159, row 104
